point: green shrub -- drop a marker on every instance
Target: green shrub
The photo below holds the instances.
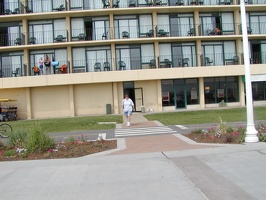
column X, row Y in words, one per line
column 71, row 139
column 18, row 138
column 37, row 140
column 197, row 131
column 10, row 152
column 261, row 128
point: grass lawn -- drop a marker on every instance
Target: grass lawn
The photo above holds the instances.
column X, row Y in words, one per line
column 69, row 124
column 167, row 118
column 207, row 116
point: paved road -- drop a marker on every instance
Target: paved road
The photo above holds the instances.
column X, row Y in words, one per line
column 114, row 133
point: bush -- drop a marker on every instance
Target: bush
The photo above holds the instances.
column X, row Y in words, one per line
column 261, row 128
column 37, row 140
column 10, row 152
column 18, row 138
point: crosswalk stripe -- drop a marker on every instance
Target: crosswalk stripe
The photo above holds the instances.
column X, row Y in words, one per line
column 181, row 127
column 143, row 131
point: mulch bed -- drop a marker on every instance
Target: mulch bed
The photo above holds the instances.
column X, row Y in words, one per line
column 63, row 150
column 211, row 138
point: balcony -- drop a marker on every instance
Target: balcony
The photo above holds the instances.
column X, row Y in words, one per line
column 12, row 70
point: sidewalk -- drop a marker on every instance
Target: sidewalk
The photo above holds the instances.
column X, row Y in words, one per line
column 158, row 167
column 153, row 143
column 137, row 121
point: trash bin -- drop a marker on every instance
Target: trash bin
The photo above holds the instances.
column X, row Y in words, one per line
column 108, row 109
column 142, row 109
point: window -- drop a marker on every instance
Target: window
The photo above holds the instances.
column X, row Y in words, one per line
column 221, row 89
column 259, row 91
column 181, row 24
column 168, row 93
column 130, row 55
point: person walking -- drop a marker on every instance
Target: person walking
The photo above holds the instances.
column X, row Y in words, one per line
column 127, row 105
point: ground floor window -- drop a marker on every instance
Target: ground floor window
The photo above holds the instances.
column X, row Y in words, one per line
column 219, row 89
column 180, row 92
column 259, row 91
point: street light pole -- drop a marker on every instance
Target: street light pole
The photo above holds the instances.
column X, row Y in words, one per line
column 251, row 132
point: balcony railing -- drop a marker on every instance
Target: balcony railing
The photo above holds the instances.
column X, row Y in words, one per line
column 222, row 29
column 131, row 63
column 54, row 67
column 220, row 59
column 12, row 39
column 44, row 37
column 12, row 70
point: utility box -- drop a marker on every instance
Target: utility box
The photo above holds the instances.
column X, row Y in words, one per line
column 142, row 109
column 108, row 109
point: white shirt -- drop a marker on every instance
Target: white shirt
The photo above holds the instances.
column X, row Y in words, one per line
column 127, row 104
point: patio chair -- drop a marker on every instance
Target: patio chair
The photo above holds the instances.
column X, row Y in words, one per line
column 235, row 60
column 208, row 60
column 168, row 63
column 148, row 2
column 152, row 63
column 16, row 11
column 132, row 3
column 158, row 2
column 116, row 4
column 106, row 66
column 59, row 38
column 8, row 12
column 162, row 33
column 125, row 34
column 82, row 36
column 60, row 8
column 193, row 2
column 106, row 3
column 105, row 35
column 28, row 10
column 150, row 33
column 121, row 65
column 32, row 40
column 185, row 61
column 18, row 41
column 97, row 66
column 201, row 2
column 15, row 72
column 191, row 32
column 180, row 3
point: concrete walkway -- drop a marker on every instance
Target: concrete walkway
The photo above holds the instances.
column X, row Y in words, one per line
column 168, row 166
column 137, row 121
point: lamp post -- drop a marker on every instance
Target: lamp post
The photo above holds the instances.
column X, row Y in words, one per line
column 251, row 132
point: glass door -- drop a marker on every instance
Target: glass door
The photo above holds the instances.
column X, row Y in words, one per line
column 180, row 94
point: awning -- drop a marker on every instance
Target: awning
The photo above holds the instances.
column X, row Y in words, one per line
column 7, row 100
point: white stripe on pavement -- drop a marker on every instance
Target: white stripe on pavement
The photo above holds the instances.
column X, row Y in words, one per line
column 143, row 131
column 181, row 127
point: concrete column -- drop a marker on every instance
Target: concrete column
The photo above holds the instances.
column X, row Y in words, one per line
column 28, row 103
column 159, row 95
column 27, row 66
column 241, row 91
column 201, row 92
column 111, row 30
column 115, row 98
column 68, row 22
column 157, row 53
column 156, row 44
column 71, row 101
column 199, row 53
column 196, row 21
column 69, row 58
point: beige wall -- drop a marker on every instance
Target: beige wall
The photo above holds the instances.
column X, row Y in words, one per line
column 91, row 99
column 50, row 102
